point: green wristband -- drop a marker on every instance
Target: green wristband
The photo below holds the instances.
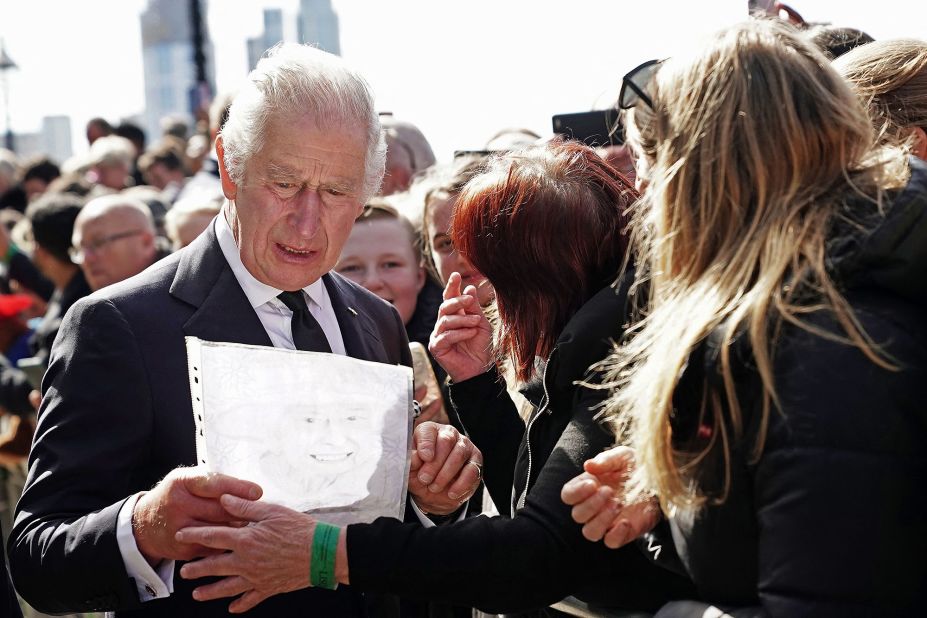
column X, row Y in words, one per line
column 324, row 548
column 10, row 252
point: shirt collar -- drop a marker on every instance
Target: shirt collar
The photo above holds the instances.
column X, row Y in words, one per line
column 257, row 293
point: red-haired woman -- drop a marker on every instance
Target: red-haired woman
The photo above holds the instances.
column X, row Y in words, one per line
column 546, row 226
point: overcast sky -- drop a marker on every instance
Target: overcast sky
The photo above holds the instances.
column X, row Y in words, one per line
column 460, row 70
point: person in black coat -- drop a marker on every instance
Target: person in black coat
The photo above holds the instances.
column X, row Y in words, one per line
column 111, row 474
column 774, row 394
column 546, row 227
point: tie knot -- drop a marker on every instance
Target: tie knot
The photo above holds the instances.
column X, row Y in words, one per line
column 294, row 300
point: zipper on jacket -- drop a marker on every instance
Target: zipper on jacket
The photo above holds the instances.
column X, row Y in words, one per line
column 541, row 410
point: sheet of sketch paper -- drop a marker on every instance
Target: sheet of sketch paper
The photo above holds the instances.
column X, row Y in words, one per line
column 321, row 433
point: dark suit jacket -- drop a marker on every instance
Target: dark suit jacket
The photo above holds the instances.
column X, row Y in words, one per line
column 9, row 605
column 44, row 336
column 116, row 417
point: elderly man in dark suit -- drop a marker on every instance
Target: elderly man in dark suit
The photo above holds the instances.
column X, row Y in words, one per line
column 107, row 491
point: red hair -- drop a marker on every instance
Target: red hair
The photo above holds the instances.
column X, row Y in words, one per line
column 547, row 226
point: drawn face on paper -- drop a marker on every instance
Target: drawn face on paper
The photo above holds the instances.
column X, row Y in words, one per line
column 330, row 438
column 329, row 446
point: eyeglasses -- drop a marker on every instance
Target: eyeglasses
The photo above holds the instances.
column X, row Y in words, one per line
column 634, row 83
column 77, row 254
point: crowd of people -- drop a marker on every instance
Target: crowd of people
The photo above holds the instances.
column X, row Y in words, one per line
column 686, row 373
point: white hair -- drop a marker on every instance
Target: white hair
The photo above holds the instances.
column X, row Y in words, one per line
column 300, row 79
column 183, row 209
column 112, row 150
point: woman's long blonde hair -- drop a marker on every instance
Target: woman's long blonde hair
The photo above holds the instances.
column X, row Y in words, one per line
column 753, row 146
column 891, row 78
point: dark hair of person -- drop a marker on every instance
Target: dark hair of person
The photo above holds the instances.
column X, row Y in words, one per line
column 835, row 41
column 547, row 226
column 52, row 217
column 133, row 133
column 43, row 169
column 165, row 152
column 101, row 123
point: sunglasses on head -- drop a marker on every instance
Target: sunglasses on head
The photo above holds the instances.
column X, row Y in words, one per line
column 633, row 85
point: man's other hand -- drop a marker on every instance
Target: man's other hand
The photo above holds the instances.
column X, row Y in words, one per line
column 271, row 555
column 186, row 497
column 446, row 468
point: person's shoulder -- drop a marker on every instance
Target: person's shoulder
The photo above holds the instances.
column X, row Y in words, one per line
column 836, row 395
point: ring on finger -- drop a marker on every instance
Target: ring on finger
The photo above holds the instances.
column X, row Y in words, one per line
column 479, row 470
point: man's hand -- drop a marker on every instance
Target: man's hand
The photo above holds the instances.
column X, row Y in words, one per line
column 595, row 498
column 185, row 497
column 269, row 556
column 446, row 468
column 462, row 339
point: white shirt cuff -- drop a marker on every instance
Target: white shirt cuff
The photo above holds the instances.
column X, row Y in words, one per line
column 427, row 523
column 152, row 583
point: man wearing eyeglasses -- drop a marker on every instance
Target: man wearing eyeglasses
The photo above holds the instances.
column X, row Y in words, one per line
column 114, row 238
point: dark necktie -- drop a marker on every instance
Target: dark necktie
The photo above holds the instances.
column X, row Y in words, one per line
column 307, row 333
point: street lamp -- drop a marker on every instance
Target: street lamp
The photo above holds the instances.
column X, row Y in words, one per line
column 6, row 64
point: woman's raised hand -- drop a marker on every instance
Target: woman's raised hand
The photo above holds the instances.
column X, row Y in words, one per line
column 462, row 339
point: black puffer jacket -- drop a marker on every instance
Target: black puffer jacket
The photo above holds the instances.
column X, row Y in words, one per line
column 830, row 521
column 539, row 556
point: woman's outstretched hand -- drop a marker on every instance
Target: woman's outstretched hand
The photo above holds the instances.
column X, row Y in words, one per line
column 462, row 339
column 596, row 496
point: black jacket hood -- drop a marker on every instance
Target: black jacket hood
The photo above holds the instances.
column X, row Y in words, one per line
column 892, row 254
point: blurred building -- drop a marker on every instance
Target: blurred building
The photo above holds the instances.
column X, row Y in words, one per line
column 54, row 140
column 273, row 34
column 317, row 24
column 167, row 54
column 56, row 137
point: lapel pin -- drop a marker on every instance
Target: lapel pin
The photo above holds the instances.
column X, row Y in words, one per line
column 353, row 311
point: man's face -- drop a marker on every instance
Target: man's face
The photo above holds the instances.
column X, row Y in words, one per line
column 399, row 170
column 34, row 187
column 116, row 245
column 157, row 175
column 112, row 175
column 297, row 202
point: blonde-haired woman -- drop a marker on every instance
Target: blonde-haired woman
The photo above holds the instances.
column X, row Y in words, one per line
column 773, row 393
column 891, row 78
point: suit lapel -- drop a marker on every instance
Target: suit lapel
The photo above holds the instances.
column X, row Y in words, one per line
column 361, row 339
column 205, row 280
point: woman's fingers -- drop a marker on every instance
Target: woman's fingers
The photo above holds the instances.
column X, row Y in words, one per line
column 589, row 508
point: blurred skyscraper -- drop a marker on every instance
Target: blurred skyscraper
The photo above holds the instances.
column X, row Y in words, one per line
column 54, row 140
column 273, row 34
column 168, row 57
column 56, row 135
column 317, row 24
